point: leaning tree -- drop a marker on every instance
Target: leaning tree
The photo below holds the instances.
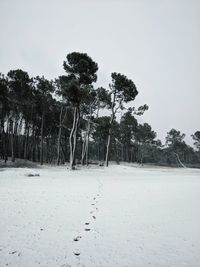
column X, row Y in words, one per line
column 123, row 90
column 176, row 144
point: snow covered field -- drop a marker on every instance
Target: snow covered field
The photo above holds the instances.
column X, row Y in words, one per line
column 116, row 216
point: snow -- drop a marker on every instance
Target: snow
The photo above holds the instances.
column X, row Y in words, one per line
column 117, row 216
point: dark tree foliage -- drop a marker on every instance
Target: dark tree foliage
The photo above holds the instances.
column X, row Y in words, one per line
column 196, row 138
column 124, row 88
column 61, row 121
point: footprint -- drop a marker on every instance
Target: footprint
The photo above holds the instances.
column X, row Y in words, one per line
column 77, row 253
column 87, row 223
column 94, row 217
column 87, row 229
column 77, row 238
column 13, row 252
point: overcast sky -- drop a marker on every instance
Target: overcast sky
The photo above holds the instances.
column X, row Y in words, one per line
column 156, row 43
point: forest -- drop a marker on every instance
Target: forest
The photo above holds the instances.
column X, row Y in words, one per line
column 69, row 120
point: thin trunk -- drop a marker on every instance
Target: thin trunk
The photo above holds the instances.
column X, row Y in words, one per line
column 107, row 150
column 180, row 162
column 42, row 141
column 71, row 144
column 131, row 154
column 65, row 150
column 116, row 152
column 6, row 142
column 59, row 136
column 110, row 131
column 33, row 149
column 99, row 154
column 86, row 142
column 38, row 150
column 12, row 141
column 87, row 139
column 26, row 142
column 16, row 137
column 122, row 152
column 3, row 144
column 127, row 153
column 75, row 136
column 87, row 150
column 47, row 150
column 141, row 154
column 83, row 151
column 3, row 139
column 63, row 153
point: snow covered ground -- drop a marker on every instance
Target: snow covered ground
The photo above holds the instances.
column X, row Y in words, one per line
column 116, row 216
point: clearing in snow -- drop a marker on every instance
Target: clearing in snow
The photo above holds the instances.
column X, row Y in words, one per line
column 116, row 216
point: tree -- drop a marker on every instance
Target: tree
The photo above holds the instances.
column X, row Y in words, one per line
column 88, row 108
column 196, row 138
column 19, row 85
column 96, row 100
column 145, row 137
column 128, row 128
column 81, row 72
column 123, row 91
column 44, row 89
column 61, row 120
column 176, row 145
column 103, row 100
column 4, row 112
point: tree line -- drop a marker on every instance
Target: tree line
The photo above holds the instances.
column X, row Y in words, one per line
column 60, row 120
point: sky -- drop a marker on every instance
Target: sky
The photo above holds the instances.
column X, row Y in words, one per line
column 155, row 43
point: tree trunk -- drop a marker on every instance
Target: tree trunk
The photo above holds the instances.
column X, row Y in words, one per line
column 87, row 151
column 26, row 142
column 12, row 141
column 83, row 150
column 15, row 138
column 116, row 152
column 6, row 142
column 59, row 136
column 3, row 139
column 107, row 150
column 110, row 131
column 33, row 144
column 48, row 155
column 63, row 154
column 99, row 152
column 180, row 162
column 42, row 141
column 87, row 139
column 71, row 139
column 75, row 136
